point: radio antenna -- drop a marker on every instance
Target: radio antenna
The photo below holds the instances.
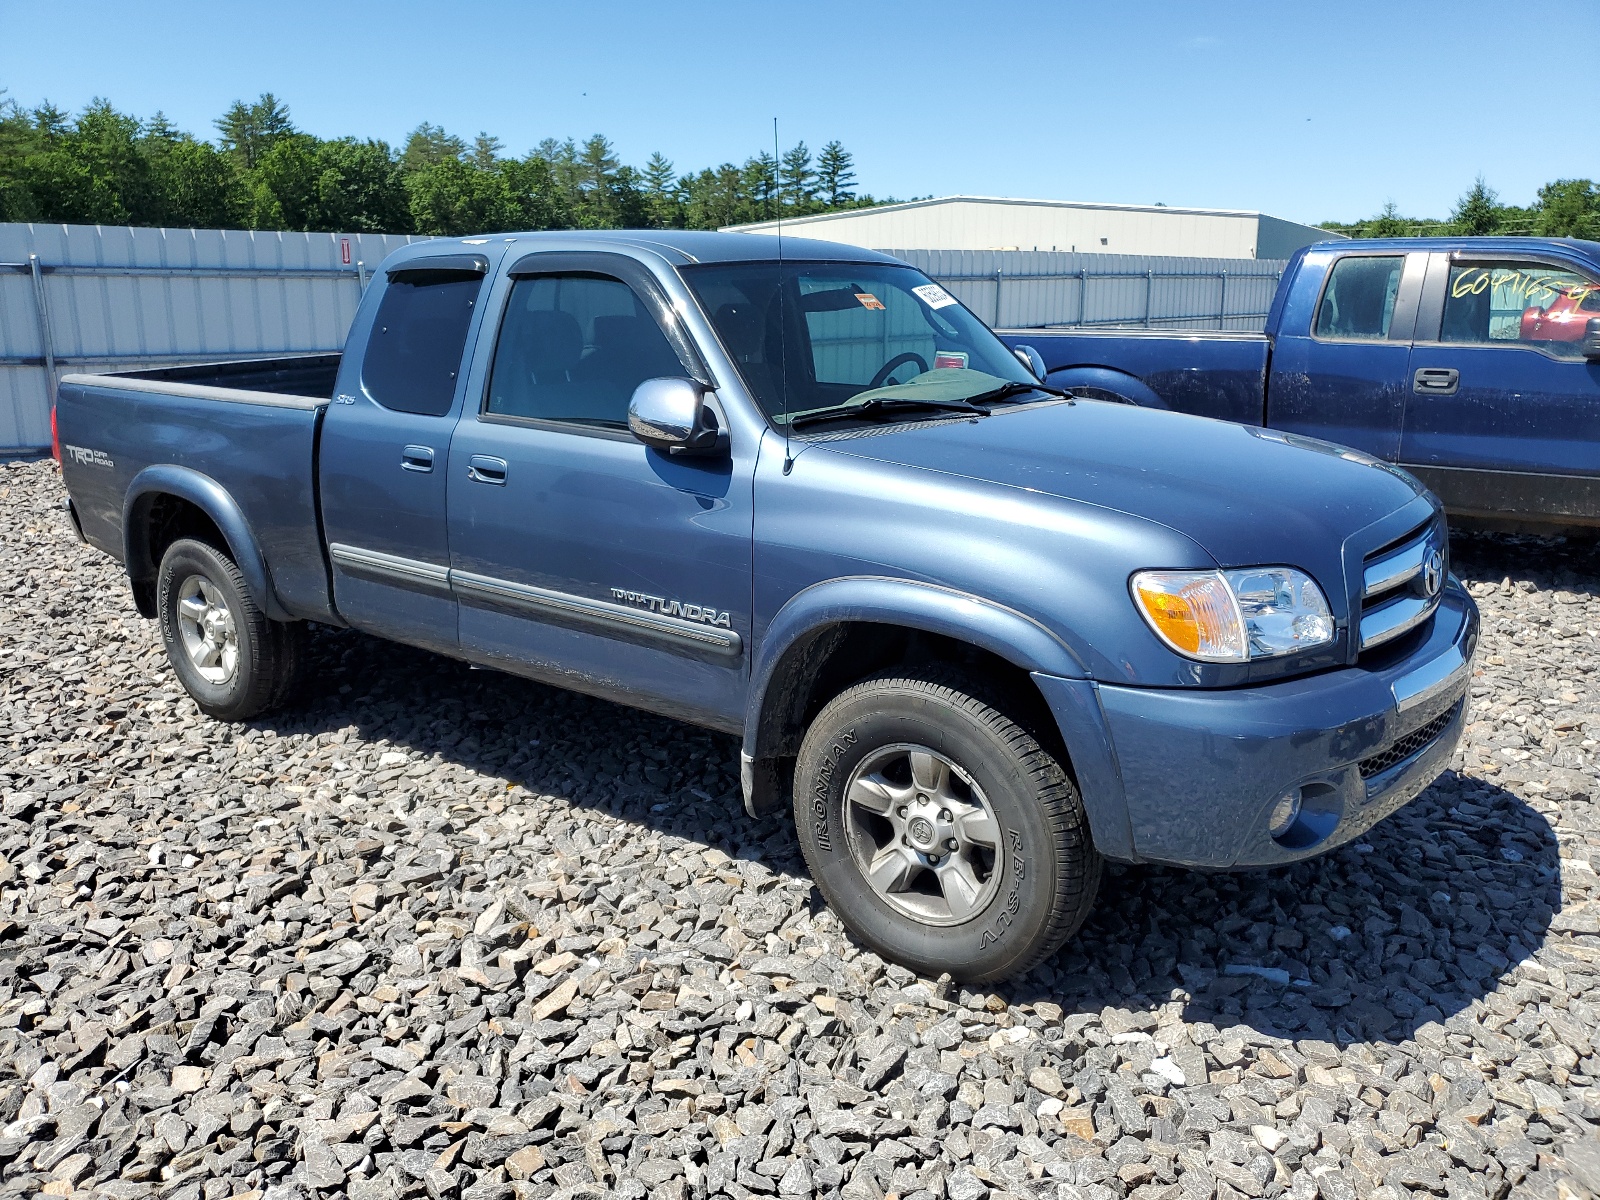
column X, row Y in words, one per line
column 783, row 325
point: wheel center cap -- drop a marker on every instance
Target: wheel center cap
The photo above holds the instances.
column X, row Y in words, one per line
column 921, row 832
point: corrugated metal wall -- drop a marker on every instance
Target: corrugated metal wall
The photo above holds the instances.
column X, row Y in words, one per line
column 1026, row 289
column 993, row 223
column 116, row 297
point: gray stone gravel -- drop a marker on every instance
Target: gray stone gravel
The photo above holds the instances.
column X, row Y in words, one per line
column 438, row 932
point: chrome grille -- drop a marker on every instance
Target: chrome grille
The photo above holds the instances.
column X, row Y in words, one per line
column 1413, row 742
column 1401, row 583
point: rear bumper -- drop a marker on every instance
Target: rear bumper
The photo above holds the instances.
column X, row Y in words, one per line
column 1191, row 777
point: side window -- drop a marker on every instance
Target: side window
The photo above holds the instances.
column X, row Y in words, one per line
column 1519, row 304
column 418, row 340
column 573, row 348
column 1358, row 303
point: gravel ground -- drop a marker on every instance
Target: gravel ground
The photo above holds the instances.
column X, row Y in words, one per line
column 441, row 932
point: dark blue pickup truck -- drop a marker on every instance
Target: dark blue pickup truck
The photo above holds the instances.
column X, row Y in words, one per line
column 979, row 634
column 1472, row 362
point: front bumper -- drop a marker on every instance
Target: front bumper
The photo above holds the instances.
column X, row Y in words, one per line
column 1190, row 777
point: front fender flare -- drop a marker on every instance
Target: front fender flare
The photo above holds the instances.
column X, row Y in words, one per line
column 1107, row 379
column 211, row 498
column 1015, row 637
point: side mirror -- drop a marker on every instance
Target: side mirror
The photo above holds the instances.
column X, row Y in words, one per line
column 671, row 414
column 1033, row 360
column 1591, row 340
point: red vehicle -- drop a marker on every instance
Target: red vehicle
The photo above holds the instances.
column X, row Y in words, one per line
column 1566, row 318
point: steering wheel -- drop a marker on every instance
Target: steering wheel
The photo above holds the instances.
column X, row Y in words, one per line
column 888, row 368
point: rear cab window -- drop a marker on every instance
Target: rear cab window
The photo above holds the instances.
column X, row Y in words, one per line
column 1358, row 301
column 419, row 338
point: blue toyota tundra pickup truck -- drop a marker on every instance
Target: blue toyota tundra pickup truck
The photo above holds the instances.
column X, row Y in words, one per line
column 1473, row 362
column 979, row 634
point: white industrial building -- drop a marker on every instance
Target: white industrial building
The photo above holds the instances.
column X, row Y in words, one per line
column 997, row 223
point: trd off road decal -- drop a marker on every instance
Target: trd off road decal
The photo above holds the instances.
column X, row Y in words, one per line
column 819, row 794
column 1008, row 910
column 86, row 456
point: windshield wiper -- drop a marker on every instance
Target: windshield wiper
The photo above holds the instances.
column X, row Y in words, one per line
column 1007, row 390
column 890, row 406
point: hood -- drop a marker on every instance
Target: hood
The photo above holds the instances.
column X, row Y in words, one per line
column 1247, row 496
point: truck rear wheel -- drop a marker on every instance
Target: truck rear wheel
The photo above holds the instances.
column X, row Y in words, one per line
column 941, row 831
column 233, row 660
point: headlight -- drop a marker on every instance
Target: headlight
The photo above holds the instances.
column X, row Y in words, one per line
column 1234, row 616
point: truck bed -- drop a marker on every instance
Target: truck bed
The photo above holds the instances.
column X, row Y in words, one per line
column 247, row 428
column 1211, row 373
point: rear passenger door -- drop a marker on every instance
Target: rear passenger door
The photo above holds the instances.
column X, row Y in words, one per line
column 1344, row 378
column 384, row 445
column 579, row 555
column 1503, row 415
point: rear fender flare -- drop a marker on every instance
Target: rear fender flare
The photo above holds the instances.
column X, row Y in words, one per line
column 211, row 498
column 1107, row 379
column 1013, row 636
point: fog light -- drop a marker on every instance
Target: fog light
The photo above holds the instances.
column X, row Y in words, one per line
column 1284, row 813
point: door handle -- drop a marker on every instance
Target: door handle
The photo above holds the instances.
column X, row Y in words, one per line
column 417, row 458
column 481, row 468
column 1436, row 381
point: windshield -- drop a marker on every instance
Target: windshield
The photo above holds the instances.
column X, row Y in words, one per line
column 848, row 334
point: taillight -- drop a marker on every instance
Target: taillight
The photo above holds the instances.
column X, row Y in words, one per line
column 55, row 437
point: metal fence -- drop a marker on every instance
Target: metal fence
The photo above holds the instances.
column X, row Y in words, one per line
column 85, row 297
column 1036, row 289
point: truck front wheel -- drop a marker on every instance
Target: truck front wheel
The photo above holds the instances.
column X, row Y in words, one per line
column 941, row 831
column 234, row 661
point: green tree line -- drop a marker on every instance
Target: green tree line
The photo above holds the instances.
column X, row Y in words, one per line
column 1564, row 208
column 103, row 166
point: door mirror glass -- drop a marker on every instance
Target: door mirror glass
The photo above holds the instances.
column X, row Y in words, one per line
column 1591, row 340
column 671, row 415
column 1031, row 359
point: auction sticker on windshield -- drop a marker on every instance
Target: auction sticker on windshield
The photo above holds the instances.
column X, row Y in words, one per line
column 868, row 300
column 934, row 296
column 949, row 358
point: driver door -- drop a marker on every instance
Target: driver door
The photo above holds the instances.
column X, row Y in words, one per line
column 579, row 555
column 1503, row 415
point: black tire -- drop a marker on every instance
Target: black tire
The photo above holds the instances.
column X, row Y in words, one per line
column 1042, row 879
column 261, row 665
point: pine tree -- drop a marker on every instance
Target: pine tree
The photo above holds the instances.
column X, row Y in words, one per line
column 761, row 184
column 428, row 145
column 1478, row 211
column 836, row 175
column 250, row 130
column 486, row 152
column 599, row 161
column 797, row 179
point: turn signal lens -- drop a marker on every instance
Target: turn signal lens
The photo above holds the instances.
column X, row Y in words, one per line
column 1194, row 612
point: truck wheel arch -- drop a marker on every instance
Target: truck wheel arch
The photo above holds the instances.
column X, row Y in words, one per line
column 807, row 655
column 1107, row 379
column 807, row 633
column 186, row 486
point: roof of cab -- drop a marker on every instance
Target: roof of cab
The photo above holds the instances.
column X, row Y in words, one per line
column 1456, row 242
column 681, row 247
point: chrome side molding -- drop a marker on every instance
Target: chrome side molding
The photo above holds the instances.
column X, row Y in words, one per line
column 409, row 573
column 521, row 599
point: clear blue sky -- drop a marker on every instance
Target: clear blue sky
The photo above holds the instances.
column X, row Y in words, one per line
column 1304, row 113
